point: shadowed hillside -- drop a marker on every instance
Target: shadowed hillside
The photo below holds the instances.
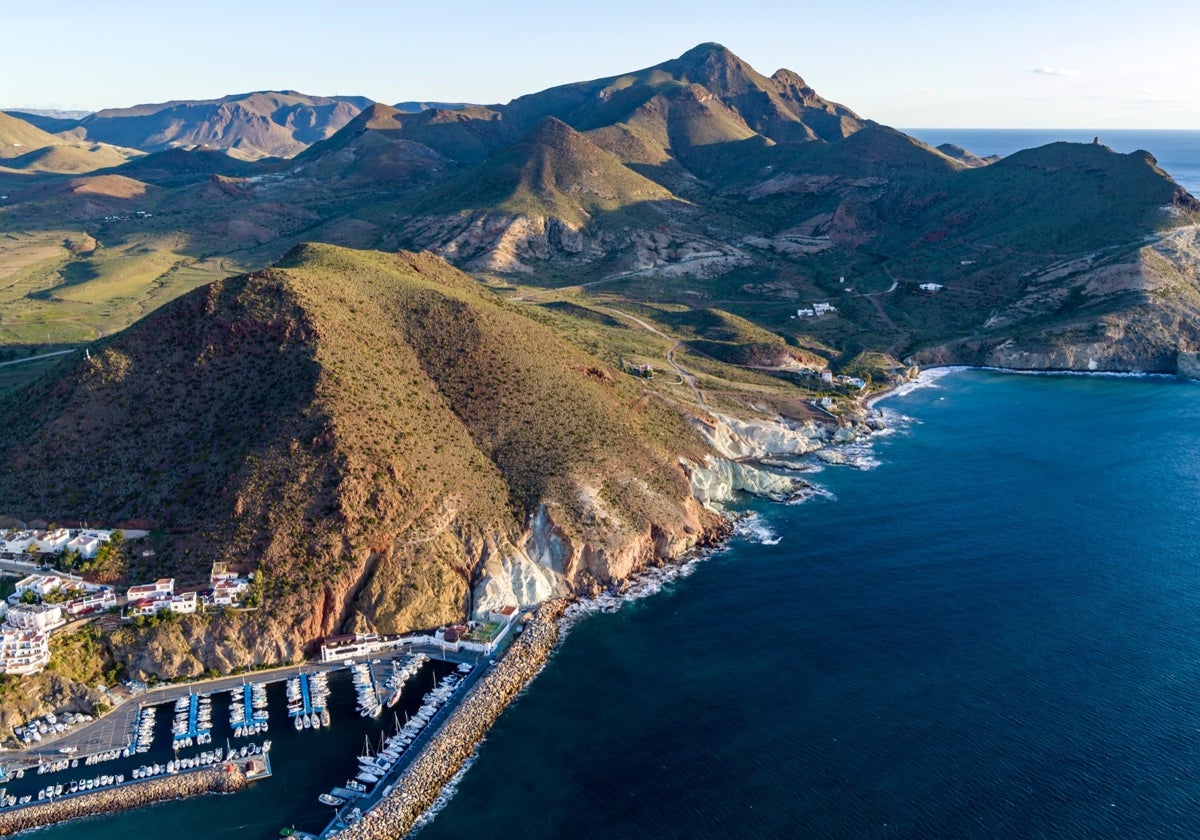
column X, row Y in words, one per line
column 372, row 427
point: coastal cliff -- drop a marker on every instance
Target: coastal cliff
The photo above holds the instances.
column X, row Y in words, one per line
column 370, row 433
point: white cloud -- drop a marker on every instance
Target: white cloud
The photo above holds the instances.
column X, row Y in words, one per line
column 1055, row 71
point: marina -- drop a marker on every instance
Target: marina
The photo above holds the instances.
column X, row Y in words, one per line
column 141, row 740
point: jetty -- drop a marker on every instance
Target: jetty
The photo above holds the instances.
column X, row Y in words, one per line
column 307, row 696
column 392, row 811
column 228, row 777
column 193, row 720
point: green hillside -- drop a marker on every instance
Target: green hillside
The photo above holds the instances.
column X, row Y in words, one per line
column 357, row 422
column 553, row 172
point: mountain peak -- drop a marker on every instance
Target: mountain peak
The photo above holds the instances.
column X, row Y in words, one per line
column 378, row 116
column 702, row 52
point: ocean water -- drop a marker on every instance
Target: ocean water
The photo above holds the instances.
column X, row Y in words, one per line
column 1177, row 152
column 995, row 633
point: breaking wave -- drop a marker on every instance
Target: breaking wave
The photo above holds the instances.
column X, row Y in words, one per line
column 646, row 583
column 752, row 528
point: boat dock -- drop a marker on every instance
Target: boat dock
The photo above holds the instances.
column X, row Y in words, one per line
column 307, row 695
column 248, row 713
column 367, row 687
column 193, row 720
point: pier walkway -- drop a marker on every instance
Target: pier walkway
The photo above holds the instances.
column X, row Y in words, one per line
column 365, row 802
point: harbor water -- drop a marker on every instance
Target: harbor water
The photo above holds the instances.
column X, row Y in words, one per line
column 304, row 764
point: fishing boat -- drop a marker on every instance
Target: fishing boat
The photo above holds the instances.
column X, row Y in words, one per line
column 331, row 800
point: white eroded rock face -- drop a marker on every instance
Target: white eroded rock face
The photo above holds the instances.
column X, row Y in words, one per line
column 715, row 483
column 736, row 439
column 527, row 574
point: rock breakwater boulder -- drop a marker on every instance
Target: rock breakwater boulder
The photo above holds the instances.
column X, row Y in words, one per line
column 224, row 778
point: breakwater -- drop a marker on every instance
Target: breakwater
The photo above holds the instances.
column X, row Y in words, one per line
column 224, row 778
column 450, row 748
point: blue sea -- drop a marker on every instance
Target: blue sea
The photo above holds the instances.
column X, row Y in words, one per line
column 994, row 633
column 1177, row 152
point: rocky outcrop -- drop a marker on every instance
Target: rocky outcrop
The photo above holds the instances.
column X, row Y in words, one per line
column 508, row 243
column 1137, row 311
column 737, row 439
column 555, row 558
column 715, row 483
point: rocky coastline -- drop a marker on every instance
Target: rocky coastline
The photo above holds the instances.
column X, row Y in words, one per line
column 224, row 778
column 446, row 753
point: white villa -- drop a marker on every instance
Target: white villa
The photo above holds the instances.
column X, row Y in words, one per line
column 40, row 618
column 103, row 599
column 52, row 542
column 23, row 651
column 88, row 543
column 16, row 542
column 183, row 603
column 153, row 591
column 39, row 585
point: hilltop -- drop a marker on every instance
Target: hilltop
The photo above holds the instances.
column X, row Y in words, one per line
column 696, row 183
column 373, row 431
column 250, row 125
column 25, row 147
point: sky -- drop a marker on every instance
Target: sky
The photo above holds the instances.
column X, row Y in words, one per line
column 1022, row 64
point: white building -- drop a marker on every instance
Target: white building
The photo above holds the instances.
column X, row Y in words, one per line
column 52, row 542
column 184, row 603
column 153, row 591
column 23, row 652
column 40, row 618
column 103, row 599
column 39, row 585
column 349, row 646
column 229, row 593
column 88, row 543
column 823, row 308
column 16, row 542
column 221, row 573
column 805, row 313
column 932, row 288
column 504, row 615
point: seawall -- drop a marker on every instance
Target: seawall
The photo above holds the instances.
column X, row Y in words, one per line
column 450, row 748
column 223, row 778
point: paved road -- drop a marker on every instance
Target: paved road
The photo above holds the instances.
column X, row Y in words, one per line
column 35, row 358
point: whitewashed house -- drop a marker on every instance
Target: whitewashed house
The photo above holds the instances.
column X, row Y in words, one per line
column 23, row 652
column 16, row 542
column 153, row 591
column 39, row 585
column 184, row 603
column 40, row 618
column 52, row 542
column 88, row 543
column 103, row 599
